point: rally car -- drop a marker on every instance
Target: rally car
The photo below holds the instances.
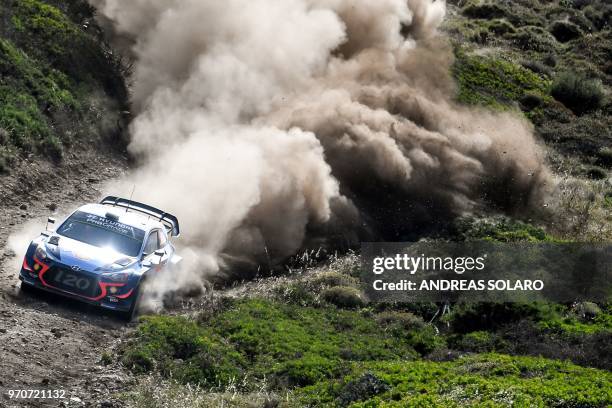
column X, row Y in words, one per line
column 102, row 253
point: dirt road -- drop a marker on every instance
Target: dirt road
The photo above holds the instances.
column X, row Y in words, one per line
column 48, row 342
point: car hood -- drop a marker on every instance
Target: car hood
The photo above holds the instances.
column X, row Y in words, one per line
column 87, row 257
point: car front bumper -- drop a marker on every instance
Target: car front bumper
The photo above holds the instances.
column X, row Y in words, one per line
column 109, row 295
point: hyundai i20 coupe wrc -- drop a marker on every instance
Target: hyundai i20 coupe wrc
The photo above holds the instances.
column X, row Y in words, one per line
column 102, row 254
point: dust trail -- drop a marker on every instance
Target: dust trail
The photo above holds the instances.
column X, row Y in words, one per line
column 264, row 124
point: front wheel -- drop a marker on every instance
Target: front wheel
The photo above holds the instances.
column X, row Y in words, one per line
column 27, row 288
column 132, row 313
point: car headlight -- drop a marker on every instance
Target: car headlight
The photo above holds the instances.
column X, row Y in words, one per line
column 118, row 277
column 40, row 253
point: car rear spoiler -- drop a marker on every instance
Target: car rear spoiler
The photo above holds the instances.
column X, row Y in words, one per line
column 169, row 220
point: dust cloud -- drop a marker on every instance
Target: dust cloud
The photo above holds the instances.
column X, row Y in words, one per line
column 269, row 125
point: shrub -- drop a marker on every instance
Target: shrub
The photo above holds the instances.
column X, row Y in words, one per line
column 484, row 10
column 344, row 297
column 531, row 101
column 604, row 156
column 600, row 15
column 178, row 346
column 587, row 310
column 533, row 38
column 286, row 344
column 478, row 341
column 559, row 341
column 466, row 318
column 333, row 278
column 106, row 358
column 494, row 81
column 402, row 320
column 577, row 92
column 596, row 173
column 305, row 370
column 425, row 340
column 297, row 293
column 501, row 26
column 483, row 381
column 608, row 200
column 538, row 67
column 550, row 60
column 500, row 229
column 347, row 265
column 565, row 31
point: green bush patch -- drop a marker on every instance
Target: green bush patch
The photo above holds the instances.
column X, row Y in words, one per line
column 489, row 380
column 500, row 229
column 578, row 92
column 288, row 344
column 495, row 82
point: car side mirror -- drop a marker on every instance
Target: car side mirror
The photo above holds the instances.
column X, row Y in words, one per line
column 50, row 221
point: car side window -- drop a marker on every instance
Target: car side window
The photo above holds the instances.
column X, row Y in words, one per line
column 152, row 243
column 163, row 240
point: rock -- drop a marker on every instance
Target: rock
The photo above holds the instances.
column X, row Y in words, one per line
column 23, row 207
column 115, row 378
column 75, row 400
column 56, row 332
column 52, row 206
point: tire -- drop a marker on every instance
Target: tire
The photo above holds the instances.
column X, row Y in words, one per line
column 27, row 288
column 132, row 313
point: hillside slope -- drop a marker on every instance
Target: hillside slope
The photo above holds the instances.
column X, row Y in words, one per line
column 61, row 87
column 549, row 59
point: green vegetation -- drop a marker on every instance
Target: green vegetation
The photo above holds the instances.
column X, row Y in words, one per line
column 21, row 96
column 184, row 350
column 480, row 381
column 500, row 229
column 495, row 82
column 331, row 357
column 57, row 80
column 288, row 344
column 579, row 93
column 588, row 318
column 608, row 200
column 566, row 47
column 344, row 297
column 533, row 38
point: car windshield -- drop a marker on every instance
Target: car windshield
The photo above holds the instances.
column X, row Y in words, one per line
column 102, row 232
